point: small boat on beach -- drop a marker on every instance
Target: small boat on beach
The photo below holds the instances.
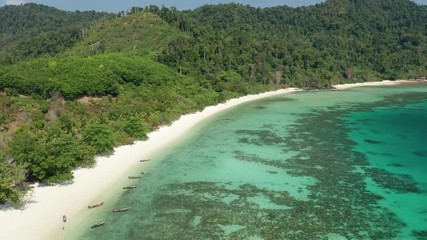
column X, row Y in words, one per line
column 144, row 160
column 129, row 187
column 95, row 205
column 97, row 225
column 134, row 177
column 116, row 210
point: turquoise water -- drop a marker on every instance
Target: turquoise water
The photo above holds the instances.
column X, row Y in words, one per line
column 314, row 165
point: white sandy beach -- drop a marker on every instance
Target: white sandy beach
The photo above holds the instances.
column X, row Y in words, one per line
column 42, row 216
column 367, row 84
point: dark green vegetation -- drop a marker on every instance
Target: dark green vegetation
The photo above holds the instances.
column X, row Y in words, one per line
column 33, row 30
column 77, row 84
column 339, row 40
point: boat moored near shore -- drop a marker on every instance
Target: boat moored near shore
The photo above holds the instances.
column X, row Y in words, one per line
column 97, row 225
column 134, row 177
column 95, row 205
column 116, row 210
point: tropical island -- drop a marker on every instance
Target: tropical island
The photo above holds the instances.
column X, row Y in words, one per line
column 74, row 85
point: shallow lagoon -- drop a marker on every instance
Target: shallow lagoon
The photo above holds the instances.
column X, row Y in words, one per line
column 313, row 165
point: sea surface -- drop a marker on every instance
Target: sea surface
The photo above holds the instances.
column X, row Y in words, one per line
column 348, row 164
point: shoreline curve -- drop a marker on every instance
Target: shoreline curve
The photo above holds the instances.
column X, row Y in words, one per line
column 43, row 214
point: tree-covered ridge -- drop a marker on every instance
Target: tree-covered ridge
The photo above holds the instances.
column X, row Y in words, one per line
column 139, row 33
column 33, row 30
column 332, row 42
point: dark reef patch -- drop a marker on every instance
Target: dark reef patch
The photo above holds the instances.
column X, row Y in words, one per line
column 373, row 141
column 397, row 182
column 402, row 136
column 395, row 165
column 260, row 137
column 242, row 156
column 420, row 153
column 420, row 234
column 269, row 126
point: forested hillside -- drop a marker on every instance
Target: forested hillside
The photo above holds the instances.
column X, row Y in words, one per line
column 76, row 84
column 33, row 30
column 337, row 41
column 143, row 34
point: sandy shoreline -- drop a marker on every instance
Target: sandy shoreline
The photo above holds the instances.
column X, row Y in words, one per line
column 42, row 216
column 382, row 83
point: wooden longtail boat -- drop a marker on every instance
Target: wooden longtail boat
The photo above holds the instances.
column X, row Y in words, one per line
column 116, row 210
column 129, row 187
column 97, row 225
column 144, row 160
column 134, row 177
column 95, row 205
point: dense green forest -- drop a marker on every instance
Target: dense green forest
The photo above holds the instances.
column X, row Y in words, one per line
column 77, row 84
column 32, row 30
column 339, row 40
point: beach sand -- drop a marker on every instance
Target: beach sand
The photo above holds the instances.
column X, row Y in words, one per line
column 382, row 83
column 43, row 215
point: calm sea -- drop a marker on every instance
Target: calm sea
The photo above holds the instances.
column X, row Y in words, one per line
column 346, row 164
